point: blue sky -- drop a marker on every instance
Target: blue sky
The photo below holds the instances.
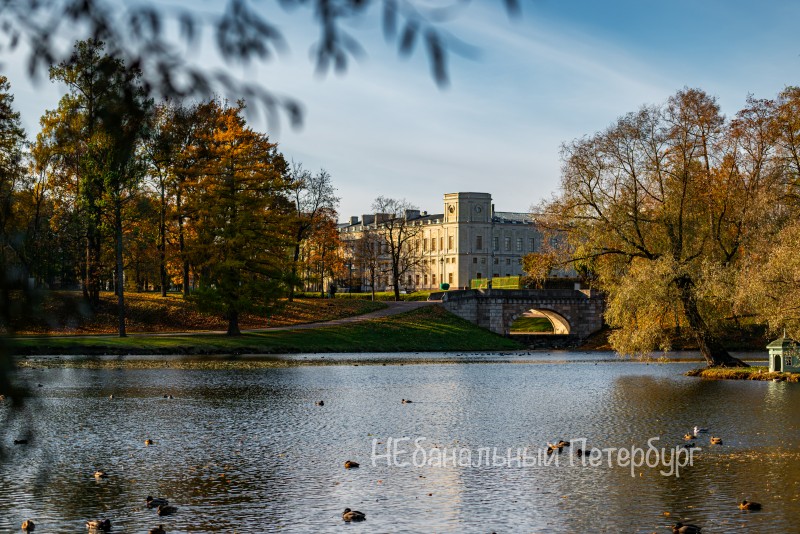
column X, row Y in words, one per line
column 563, row 70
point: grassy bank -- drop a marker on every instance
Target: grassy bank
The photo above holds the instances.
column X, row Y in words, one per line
column 427, row 329
column 743, row 373
column 66, row 312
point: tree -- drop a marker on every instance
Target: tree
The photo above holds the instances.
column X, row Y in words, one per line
column 365, row 253
column 539, row 266
column 398, row 234
column 143, row 36
column 769, row 284
column 92, row 138
column 239, row 210
column 662, row 203
column 314, row 201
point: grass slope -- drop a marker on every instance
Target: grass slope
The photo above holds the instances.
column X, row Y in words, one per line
column 66, row 312
column 426, row 329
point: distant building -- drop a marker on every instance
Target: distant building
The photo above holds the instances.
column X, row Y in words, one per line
column 469, row 240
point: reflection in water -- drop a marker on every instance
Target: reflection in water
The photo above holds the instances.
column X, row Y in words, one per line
column 249, row 451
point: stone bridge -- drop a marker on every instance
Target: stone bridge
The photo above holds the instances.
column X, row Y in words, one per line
column 576, row 313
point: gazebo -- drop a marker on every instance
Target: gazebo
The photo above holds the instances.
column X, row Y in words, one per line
column 784, row 356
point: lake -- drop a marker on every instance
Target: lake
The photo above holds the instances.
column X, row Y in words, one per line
column 249, row 451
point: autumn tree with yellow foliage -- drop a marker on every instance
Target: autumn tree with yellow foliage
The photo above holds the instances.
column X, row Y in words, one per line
column 664, row 204
column 239, row 208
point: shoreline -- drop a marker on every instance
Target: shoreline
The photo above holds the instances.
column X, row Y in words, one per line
column 743, row 373
column 261, row 361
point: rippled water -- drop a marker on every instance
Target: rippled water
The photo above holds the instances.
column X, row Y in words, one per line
column 248, row 451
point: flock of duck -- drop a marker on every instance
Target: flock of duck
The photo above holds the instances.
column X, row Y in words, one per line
column 695, row 434
column 161, row 505
column 745, row 505
column 350, row 515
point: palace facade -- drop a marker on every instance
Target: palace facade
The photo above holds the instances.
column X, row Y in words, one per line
column 468, row 240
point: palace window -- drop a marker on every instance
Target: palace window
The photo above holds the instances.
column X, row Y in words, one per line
column 495, row 243
column 433, row 244
column 531, row 245
column 441, row 243
column 507, row 243
column 479, row 242
column 425, row 278
column 433, row 279
column 416, row 279
column 474, row 260
column 519, row 244
column 450, row 242
column 496, row 261
column 450, row 278
column 508, row 261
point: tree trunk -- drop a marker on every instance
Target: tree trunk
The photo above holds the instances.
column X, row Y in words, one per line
column 120, row 267
column 396, row 287
column 182, row 247
column 711, row 349
column 162, row 243
column 233, row 323
column 293, row 274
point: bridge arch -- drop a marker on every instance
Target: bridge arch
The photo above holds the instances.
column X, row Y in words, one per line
column 560, row 323
column 576, row 313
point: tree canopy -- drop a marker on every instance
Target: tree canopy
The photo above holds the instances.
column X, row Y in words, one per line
column 668, row 205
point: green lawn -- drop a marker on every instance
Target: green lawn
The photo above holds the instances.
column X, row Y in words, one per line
column 532, row 324
column 430, row 328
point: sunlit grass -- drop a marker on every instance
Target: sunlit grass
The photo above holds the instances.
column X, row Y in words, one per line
column 66, row 312
column 430, row 328
column 743, row 373
column 532, row 325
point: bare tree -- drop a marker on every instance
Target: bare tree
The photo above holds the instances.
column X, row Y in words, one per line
column 399, row 233
column 365, row 251
column 314, row 201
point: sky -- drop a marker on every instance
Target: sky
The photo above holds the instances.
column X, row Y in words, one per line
column 563, row 70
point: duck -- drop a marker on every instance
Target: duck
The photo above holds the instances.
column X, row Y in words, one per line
column 100, row 474
column 687, row 437
column 349, row 464
column 152, row 502
column 157, row 530
column 99, row 524
column 28, row 526
column 148, row 441
column 716, row 441
column 405, row 401
column 353, row 515
column 747, row 505
column 168, row 397
column 689, row 445
column 319, row 403
column 562, row 443
column 579, row 453
column 697, row 430
column 680, row 528
column 166, row 509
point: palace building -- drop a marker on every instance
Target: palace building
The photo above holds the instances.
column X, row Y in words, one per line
column 469, row 240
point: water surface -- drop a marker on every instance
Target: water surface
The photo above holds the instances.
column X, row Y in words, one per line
column 248, row 451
